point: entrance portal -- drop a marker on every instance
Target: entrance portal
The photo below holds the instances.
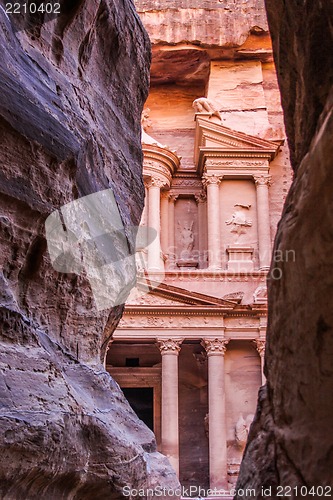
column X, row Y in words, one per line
column 141, row 400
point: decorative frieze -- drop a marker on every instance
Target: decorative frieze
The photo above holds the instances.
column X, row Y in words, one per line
column 246, row 163
column 186, row 182
column 170, row 321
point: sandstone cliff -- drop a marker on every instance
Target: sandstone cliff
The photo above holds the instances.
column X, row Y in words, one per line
column 291, row 440
column 72, row 90
column 202, row 22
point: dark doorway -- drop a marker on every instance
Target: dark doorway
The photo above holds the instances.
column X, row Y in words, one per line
column 141, row 400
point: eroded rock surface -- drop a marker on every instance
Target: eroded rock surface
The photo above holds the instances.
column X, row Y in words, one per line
column 291, row 440
column 72, row 91
column 174, row 21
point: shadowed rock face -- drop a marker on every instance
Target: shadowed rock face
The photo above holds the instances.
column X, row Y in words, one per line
column 72, row 92
column 291, row 439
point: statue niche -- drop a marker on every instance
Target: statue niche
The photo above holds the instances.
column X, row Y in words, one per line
column 186, row 245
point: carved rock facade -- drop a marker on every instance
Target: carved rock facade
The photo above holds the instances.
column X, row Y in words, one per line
column 216, row 173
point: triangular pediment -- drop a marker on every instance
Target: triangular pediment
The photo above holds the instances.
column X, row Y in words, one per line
column 213, row 137
column 165, row 295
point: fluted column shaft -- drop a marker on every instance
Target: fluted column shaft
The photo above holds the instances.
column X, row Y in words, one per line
column 165, row 223
column 154, row 214
column 202, row 217
column 213, row 215
column 218, row 473
column 170, row 414
column 144, row 216
column 171, row 236
column 264, row 233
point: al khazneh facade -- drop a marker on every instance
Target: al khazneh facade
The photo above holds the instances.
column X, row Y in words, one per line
column 189, row 355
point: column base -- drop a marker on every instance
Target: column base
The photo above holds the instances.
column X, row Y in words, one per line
column 214, row 267
column 152, row 270
column 187, row 264
column 240, row 259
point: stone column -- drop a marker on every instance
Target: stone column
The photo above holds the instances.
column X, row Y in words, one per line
column 202, row 217
column 170, row 423
column 218, row 472
column 154, row 214
column 165, row 223
column 260, row 346
column 144, row 216
column 211, row 181
column 142, row 241
column 264, row 232
column 171, row 233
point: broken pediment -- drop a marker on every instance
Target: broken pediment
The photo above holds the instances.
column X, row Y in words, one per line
column 213, row 139
column 151, row 294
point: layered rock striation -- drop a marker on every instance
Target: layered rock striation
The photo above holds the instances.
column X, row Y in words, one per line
column 291, row 440
column 173, row 21
column 72, row 89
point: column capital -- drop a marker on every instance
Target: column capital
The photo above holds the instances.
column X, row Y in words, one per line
column 173, row 197
column 155, row 182
column 169, row 346
column 165, row 195
column 208, row 179
column 262, row 179
column 201, row 197
column 260, row 346
column 215, row 346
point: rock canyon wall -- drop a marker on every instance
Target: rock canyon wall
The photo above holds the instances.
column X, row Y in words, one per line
column 72, row 91
column 291, row 440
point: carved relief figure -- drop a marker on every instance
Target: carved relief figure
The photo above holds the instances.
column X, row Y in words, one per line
column 186, row 236
column 146, row 123
column 145, row 120
column 242, row 428
column 260, row 295
column 205, row 105
column 238, row 221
